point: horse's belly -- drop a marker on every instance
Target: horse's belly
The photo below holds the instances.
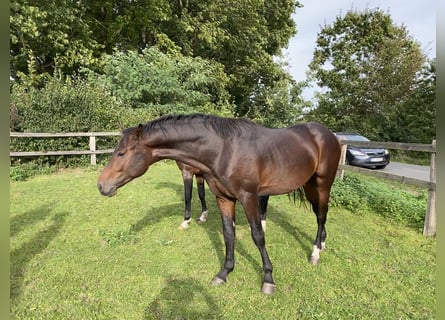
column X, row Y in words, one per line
column 273, row 191
column 285, row 186
column 275, row 183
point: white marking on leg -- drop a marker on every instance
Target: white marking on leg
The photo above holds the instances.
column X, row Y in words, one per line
column 263, row 224
column 315, row 256
column 323, row 246
column 203, row 217
column 185, row 224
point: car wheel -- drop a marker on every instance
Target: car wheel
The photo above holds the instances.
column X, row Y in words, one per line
column 380, row 167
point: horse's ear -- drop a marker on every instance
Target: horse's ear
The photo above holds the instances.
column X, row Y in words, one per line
column 139, row 130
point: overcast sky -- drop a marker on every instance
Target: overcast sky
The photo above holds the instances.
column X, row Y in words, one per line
column 419, row 17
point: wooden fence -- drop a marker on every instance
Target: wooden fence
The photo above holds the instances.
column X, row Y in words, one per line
column 429, row 227
column 430, row 217
column 92, row 144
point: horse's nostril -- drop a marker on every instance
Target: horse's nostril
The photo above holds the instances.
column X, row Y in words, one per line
column 99, row 186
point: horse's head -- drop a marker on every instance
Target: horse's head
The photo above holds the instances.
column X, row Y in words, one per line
column 130, row 159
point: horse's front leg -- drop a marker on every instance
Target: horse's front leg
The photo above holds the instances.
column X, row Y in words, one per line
column 202, row 198
column 251, row 207
column 188, row 186
column 227, row 209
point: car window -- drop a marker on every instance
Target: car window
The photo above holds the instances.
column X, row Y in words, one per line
column 352, row 137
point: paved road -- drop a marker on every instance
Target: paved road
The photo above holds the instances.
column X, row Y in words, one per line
column 409, row 170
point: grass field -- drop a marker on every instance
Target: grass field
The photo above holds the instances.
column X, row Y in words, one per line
column 78, row 255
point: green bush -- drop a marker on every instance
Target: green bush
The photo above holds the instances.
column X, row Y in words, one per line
column 164, row 83
column 28, row 169
column 133, row 88
column 62, row 105
column 362, row 194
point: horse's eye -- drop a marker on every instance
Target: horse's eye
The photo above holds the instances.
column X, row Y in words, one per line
column 120, row 153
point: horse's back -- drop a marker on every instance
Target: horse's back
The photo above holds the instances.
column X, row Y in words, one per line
column 319, row 134
column 317, row 145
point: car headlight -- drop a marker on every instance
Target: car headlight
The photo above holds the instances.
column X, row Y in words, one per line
column 386, row 152
column 357, row 153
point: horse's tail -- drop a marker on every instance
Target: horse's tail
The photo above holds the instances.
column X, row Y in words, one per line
column 301, row 196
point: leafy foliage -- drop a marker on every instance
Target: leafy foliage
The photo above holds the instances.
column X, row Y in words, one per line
column 63, row 105
column 367, row 67
column 243, row 36
column 164, row 83
column 359, row 194
column 417, row 115
column 237, row 40
column 148, row 58
column 279, row 105
column 49, row 35
column 29, row 169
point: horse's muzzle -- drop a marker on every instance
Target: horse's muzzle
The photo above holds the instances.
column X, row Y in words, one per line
column 105, row 190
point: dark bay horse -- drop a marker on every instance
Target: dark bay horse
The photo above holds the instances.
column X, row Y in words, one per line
column 187, row 177
column 241, row 161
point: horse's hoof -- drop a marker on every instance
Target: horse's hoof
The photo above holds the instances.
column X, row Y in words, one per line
column 217, row 281
column 203, row 217
column 268, row 288
column 184, row 225
column 314, row 260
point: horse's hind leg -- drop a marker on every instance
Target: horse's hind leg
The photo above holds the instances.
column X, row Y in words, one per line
column 318, row 196
column 202, row 197
column 262, row 202
column 188, row 186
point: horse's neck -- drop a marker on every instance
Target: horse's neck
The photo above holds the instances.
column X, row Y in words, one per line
column 186, row 145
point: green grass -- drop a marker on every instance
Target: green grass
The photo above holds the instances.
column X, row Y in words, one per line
column 78, row 255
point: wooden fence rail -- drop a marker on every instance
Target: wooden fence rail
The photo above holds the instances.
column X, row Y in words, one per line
column 430, row 217
column 92, row 144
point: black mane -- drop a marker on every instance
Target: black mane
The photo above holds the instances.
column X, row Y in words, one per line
column 224, row 127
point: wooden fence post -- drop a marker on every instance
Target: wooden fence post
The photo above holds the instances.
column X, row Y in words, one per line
column 429, row 227
column 342, row 160
column 93, row 148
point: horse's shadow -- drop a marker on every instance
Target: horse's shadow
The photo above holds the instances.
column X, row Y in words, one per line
column 19, row 222
column 155, row 215
column 213, row 225
column 302, row 238
column 20, row 257
column 177, row 300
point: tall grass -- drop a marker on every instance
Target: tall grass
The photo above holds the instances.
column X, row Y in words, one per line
column 78, row 255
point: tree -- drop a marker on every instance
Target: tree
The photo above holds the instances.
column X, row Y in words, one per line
column 417, row 115
column 280, row 105
column 49, row 35
column 164, row 83
column 367, row 67
column 242, row 36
